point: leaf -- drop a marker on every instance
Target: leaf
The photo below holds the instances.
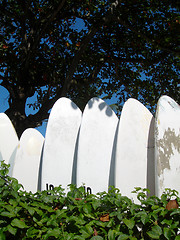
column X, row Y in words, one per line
column 18, row 223
column 111, row 235
column 87, row 208
column 110, row 223
column 166, row 221
column 172, row 204
column 123, row 236
column 79, row 237
column 32, row 232
column 31, row 210
column 16, row 186
column 143, row 216
column 52, row 223
column 167, row 233
column 15, row 194
column 8, row 214
column 12, row 230
column 53, row 233
column 133, row 238
column 2, row 182
column 13, row 202
column 97, row 238
column 155, row 232
column 77, row 220
column 96, row 204
column 104, row 218
column 87, row 231
column 175, row 212
column 129, row 223
column 177, row 237
column 2, row 236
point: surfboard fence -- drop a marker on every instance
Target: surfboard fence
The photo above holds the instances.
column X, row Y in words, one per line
column 97, row 149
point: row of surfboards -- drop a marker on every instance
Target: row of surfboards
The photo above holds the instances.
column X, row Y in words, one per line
column 97, row 149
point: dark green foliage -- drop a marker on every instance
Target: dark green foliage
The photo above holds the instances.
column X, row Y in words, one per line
column 84, row 48
column 79, row 215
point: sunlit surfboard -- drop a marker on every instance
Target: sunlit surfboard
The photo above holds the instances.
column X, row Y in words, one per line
column 8, row 141
column 167, row 145
column 60, row 140
column 134, row 150
column 27, row 161
column 95, row 145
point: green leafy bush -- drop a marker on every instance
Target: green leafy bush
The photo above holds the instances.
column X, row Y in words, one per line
column 78, row 215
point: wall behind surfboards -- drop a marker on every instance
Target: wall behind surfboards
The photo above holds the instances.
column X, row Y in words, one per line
column 96, row 149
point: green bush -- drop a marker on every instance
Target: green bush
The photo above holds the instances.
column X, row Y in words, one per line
column 78, row 215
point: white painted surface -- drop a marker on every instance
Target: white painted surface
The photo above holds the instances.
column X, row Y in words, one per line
column 167, row 143
column 26, row 165
column 95, row 144
column 60, row 140
column 134, row 150
column 8, row 141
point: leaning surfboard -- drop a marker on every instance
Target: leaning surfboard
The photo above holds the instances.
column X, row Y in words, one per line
column 167, row 145
column 27, row 161
column 8, row 141
column 60, row 140
column 95, row 144
column 134, row 149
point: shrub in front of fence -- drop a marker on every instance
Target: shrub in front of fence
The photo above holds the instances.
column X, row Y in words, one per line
column 78, row 215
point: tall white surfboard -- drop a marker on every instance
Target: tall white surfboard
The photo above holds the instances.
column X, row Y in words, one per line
column 95, row 145
column 8, row 141
column 60, row 140
column 134, row 149
column 27, row 161
column 167, row 145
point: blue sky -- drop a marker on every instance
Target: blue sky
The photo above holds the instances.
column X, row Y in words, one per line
column 3, row 99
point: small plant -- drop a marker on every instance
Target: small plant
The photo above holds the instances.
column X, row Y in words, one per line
column 78, row 215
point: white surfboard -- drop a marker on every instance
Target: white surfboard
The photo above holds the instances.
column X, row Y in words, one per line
column 26, row 165
column 8, row 141
column 167, row 145
column 134, row 149
column 60, row 140
column 95, row 145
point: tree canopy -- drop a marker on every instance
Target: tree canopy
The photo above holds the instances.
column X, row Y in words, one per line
column 85, row 48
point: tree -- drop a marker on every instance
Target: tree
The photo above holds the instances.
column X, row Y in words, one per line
column 128, row 48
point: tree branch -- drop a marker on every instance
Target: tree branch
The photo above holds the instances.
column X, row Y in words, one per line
column 77, row 58
column 57, row 10
column 38, row 35
column 96, row 71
